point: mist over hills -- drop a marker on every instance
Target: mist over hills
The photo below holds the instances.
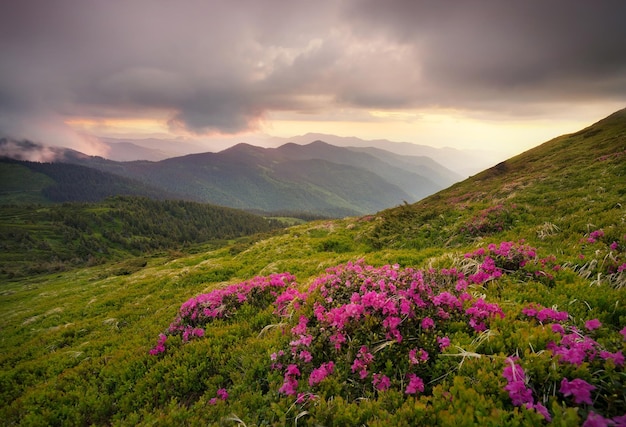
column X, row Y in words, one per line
column 317, row 178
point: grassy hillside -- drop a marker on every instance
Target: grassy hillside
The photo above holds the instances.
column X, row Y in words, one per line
column 499, row 301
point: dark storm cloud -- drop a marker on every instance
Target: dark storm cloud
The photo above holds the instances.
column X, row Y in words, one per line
column 530, row 50
column 221, row 66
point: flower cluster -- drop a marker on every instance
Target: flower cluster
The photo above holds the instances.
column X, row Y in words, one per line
column 160, row 347
column 579, row 389
column 507, row 258
column 491, row 220
column 576, row 348
column 196, row 312
column 572, row 348
column 517, row 387
column 605, row 258
column 611, row 156
column 357, row 317
column 221, row 394
column 544, row 314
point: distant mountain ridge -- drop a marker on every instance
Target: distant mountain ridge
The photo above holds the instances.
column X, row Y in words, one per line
column 464, row 162
column 317, row 178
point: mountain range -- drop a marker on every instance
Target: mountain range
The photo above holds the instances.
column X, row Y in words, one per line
column 317, row 178
column 465, row 162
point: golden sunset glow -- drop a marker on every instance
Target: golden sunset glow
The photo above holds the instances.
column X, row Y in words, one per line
column 137, row 127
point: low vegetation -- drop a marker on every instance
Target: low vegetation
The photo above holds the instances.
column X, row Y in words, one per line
column 499, row 301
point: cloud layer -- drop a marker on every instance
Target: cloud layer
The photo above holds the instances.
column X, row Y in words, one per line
column 223, row 66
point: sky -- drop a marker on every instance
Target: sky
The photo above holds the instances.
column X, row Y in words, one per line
column 493, row 75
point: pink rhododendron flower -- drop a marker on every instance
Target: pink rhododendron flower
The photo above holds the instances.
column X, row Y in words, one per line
column 222, row 394
column 416, row 357
column 578, row 388
column 290, row 386
column 614, row 246
column 620, row 421
column 338, row 338
column 592, row 324
column 300, row 328
column 597, row 420
column 541, row 410
column 519, row 393
column 446, row 299
column 512, row 371
column 290, row 383
column 392, row 322
column 529, row 311
column 559, row 329
column 617, row 357
column 444, row 342
column 275, row 356
column 160, row 347
column 305, row 356
column 415, row 384
column 623, row 332
column 405, row 308
column 293, row 370
column 362, row 361
column 574, row 348
column 596, row 234
column 318, row 375
column 551, row 314
column 381, row 382
column 427, row 323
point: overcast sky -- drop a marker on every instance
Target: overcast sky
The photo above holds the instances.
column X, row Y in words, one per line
column 499, row 75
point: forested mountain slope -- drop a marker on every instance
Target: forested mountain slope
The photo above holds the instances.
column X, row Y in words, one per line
column 35, row 239
column 44, row 182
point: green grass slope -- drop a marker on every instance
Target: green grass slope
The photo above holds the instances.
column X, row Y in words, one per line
column 569, row 183
column 499, row 301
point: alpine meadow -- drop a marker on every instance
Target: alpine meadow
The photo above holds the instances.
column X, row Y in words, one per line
column 498, row 301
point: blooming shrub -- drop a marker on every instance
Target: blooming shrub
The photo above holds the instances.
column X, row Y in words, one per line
column 605, row 258
column 509, row 258
column 491, row 220
column 198, row 311
column 358, row 318
column 576, row 354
